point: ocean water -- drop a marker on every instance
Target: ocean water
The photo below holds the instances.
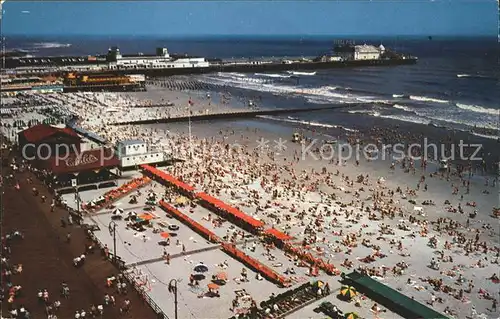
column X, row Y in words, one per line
column 455, row 84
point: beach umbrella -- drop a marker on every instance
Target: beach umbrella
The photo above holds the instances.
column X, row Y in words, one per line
column 201, row 268
column 319, row 284
column 117, row 211
column 222, row 276
column 151, row 196
column 181, row 200
column 198, row 277
column 348, row 292
column 146, row 216
column 351, row 315
column 165, row 235
column 213, row 286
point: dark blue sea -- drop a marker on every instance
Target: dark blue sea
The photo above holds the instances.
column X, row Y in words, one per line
column 455, row 84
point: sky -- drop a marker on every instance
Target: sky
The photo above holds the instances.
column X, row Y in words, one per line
column 300, row 17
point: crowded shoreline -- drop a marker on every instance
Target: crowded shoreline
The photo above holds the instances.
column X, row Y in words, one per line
column 394, row 220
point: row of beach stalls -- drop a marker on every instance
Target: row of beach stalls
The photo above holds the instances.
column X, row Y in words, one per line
column 238, row 218
column 213, row 204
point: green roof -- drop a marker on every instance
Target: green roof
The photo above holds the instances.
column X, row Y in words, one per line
column 392, row 299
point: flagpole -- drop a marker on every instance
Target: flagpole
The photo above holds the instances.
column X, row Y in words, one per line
column 189, row 127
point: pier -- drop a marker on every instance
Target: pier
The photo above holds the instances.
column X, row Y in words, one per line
column 238, row 114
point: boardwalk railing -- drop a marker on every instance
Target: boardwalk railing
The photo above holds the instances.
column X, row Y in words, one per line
column 144, row 295
column 120, row 264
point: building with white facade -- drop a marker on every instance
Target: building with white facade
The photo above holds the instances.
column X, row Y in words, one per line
column 359, row 52
column 132, row 153
column 162, row 60
column 366, row 52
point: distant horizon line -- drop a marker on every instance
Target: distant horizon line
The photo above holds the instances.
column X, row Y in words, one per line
column 256, row 36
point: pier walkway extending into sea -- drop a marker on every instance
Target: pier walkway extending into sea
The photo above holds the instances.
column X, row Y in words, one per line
column 239, row 114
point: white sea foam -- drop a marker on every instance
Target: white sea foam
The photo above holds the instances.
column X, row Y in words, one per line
column 50, row 45
column 427, row 99
column 472, row 76
column 403, row 107
column 477, row 109
column 407, row 118
column 399, row 96
column 297, row 121
column 272, row 75
column 301, row 73
column 492, row 137
column 369, row 112
column 308, row 123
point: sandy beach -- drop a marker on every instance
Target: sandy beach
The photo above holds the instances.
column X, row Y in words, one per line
column 406, row 223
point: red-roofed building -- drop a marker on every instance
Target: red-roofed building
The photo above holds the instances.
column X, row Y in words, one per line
column 92, row 167
column 43, row 141
column 93, row 160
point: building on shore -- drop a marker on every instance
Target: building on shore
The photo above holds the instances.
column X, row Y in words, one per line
column 42, row 141
column 76, row 82
column 69, row 159
column 350, row 52
column 161, row 60
column 132, row 153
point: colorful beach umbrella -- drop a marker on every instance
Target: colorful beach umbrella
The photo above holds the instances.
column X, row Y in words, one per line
column 146, row 216
column 222, row 276
column 213, row 286
column 348, row 292
column 351, row 315
column 165, row 235
column 181, row 200
column 319, row 284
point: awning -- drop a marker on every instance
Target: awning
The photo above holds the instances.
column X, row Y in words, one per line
column 167, row 177
column 278, row 234
column 229, row 209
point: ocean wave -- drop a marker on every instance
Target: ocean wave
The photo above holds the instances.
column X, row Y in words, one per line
column 427, row 99
column 368, row 112
column 320, row 95
column 404, row 108
column 302, row 73
column 477, row 109
column 476, row 76
column 297, row 121
column 492, row 137
column 50, row 45
column 397, row 96
column 407, row 118
column 302, row 122
column 272, row 75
